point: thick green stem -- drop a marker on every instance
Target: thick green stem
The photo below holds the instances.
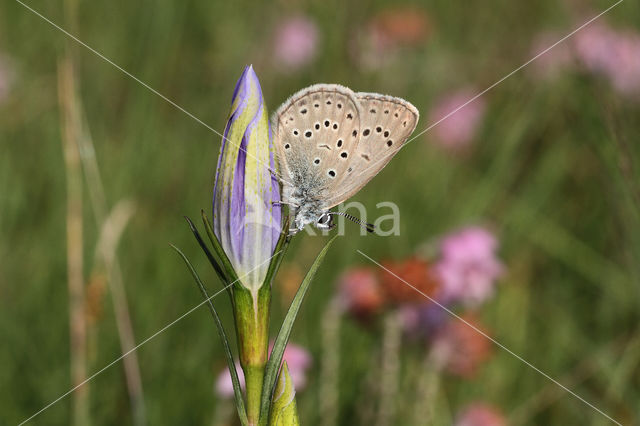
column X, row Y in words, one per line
column 252, row 327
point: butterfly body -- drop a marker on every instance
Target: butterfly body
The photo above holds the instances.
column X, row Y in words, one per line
column 330, row 141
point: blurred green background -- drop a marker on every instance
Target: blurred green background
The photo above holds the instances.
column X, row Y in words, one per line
column 553, row 169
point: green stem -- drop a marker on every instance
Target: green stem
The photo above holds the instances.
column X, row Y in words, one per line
column 252, row 327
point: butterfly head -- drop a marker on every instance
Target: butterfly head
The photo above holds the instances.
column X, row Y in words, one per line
column 311, row 214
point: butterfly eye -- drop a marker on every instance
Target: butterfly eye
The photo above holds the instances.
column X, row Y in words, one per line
column 317, row 126
column 366, row 132
column 308, row 134
column 326, row 123
column 339, row 144
column 295, row 132
column 287, row 146
column 378, row 129
column 316, row 161
column 344, row 154
column 335, row 126
column 332, row 173
column 389, row 142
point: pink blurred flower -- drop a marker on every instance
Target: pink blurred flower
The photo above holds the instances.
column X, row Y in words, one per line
column 295, row 43
column 554, row 60
column 468, row 266
column 298, row 359
column 458, row 129
column 360, row 292
column 460, row 348
column 479, row 414
column 612, row 53
column 593, row 46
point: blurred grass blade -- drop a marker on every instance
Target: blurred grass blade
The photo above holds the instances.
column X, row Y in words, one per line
column 226, row 263
column 275, row 358
column 225, row 341
column 216, row 266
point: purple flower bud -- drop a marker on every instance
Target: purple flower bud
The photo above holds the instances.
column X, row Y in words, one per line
column 245, row 221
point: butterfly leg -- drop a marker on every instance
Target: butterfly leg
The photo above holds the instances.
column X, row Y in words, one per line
column 280, row 203
column 276, row 175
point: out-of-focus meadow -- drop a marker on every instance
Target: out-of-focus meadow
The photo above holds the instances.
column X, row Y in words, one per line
column 532, row 192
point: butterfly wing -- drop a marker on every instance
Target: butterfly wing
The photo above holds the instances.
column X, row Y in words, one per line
column 386, row 124
column 315, row 134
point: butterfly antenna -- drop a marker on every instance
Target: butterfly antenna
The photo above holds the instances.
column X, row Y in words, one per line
column 369, row 227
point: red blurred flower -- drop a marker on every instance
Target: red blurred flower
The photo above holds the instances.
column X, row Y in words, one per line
column 360, row 292
column 480, row 414
column 460, row 348
column 416, row 273
column 400, row 26
column 388, row 31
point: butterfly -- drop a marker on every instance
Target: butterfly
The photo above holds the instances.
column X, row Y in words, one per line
column 330, row 142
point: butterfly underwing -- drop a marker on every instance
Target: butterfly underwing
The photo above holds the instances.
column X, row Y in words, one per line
column 331, row 141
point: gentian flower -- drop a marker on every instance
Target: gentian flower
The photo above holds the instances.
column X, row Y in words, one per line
column 245, row 220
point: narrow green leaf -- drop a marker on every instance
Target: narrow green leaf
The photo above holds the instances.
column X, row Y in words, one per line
column 279, row 250
column 226, row 263
column 216, row 266
column 242, row 413
column 273, row 364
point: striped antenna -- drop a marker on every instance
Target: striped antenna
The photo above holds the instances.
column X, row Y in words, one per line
column 369, row 227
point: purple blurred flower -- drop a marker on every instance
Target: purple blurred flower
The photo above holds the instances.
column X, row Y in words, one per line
column 479, row 414
column 295, row 43
column 297, row 358
column 612, row 53
column 422, row 321
column 244, row 219
column 458, row 129
column 468, row 266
